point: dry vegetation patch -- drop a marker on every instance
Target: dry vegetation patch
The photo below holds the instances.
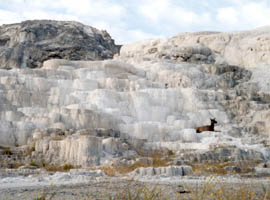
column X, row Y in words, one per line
column 219, row 168
column 6, row 150
column 159, row 160
column 54, row 168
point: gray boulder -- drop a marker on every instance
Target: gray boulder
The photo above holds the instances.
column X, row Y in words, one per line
column 262, row 171
column 30, row 43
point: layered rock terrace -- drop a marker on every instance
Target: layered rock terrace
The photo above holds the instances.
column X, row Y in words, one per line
column 154, row 93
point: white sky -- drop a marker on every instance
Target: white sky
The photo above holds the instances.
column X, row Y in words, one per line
column 132, row 20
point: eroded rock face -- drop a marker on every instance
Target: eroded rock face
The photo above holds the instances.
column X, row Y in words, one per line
column 153, row 98
column 30, row 43
column 79, row 151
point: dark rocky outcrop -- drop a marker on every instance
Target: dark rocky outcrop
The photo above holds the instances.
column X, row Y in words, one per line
column 30, row 43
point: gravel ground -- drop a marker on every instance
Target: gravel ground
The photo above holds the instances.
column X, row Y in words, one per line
column 171, row 188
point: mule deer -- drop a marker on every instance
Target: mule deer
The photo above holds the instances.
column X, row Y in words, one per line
column 208, row 127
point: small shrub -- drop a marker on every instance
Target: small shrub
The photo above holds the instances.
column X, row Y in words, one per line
column 32, row 148
column 67, row 167
column 7, row 151
column 170, row 153
column 32, row 163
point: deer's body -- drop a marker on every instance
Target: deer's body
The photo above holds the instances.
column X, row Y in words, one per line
column 210, row 127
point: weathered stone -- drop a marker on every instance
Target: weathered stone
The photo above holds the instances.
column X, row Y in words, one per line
column 30, row 43
column 145, row 160
column 187, row 170
column 163, row 171
column 27, row 167
column 262, row 171
column 78, row 151
column 111, row 145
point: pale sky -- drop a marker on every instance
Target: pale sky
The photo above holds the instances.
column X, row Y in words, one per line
column 133, row 20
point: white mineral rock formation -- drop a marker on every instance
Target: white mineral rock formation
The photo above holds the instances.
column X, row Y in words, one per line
column 242, row 48
column 157, row 90
column 80, row 151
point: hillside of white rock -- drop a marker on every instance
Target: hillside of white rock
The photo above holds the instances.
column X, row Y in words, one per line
column 150, row 97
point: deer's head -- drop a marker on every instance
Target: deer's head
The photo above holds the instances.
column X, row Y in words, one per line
column 213, row 121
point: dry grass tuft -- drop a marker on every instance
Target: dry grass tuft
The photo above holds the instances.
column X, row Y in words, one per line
column 3, row 148
column 216, row 168
column 143, row 192
column 44, row 195
column 68, row 167
column 54, row 168
column 112, row 171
